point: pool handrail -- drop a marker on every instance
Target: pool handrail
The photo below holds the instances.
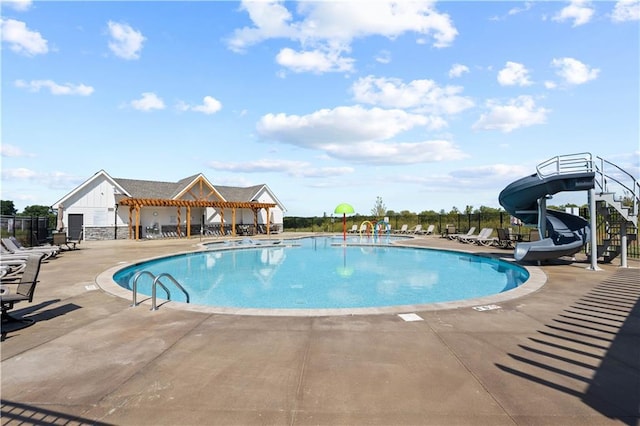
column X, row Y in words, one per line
column 134, row 286
column 156, row 281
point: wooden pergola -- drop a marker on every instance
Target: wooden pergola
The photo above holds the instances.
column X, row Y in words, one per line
column 136, row 205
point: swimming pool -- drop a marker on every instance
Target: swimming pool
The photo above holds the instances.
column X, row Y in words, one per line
column 321, row 273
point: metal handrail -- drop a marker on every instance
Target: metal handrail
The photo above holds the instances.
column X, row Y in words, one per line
column 565, row 164
column 156, row 281
column 583, row 162
column 135, row 286
column 603, row 184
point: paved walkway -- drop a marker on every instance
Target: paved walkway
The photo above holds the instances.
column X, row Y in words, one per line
column 568, row 354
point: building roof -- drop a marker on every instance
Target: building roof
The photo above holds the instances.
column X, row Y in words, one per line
column 159, row 190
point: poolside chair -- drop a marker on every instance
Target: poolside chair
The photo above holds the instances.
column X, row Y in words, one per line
column 448, row 230
column 353, row 229
column 403, row 229
column 416, row 229
column 504, row 239
column 429, row 230
column 468, row 234
column 39, row 247
column 10, row 245
column 486, row 239
column 24, row 290
column 470, row 239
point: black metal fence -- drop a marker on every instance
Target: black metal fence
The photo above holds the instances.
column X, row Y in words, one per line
column 29, row 230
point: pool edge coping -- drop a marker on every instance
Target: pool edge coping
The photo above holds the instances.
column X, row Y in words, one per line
column 537, row 279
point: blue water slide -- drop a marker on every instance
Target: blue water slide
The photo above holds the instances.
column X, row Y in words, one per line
column 567, row 233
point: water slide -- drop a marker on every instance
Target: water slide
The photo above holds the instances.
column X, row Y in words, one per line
column 526, row 200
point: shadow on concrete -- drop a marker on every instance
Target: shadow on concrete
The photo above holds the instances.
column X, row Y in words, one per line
column 38, row 317
column 24, row 414
column 594, row 343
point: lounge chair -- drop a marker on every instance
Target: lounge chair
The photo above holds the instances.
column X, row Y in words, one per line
column 353, row 229
column 468, row 234
column 403, row 229
column 416, row 229
column 470, row 239
column 24, row 290
column 486, row 239
column 39, row 247
column 429, row 230
column 10, row 245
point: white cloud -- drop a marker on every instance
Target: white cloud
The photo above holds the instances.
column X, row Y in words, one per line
column 457, row 70
column 342, row 125
column 326, row 29
column 21, row 39
column 55, row 88
column 516, row 10
column 125, row 42
column 291, row 168
column 626, row 10
column 384, row 57
column 315, row 61
column 210, row 105
column 373, row 152
column 514, row 74
column 8, row 150
column 357, row 134
column 423, row 95
column 573, row 71
column 149, row 101
column 519, row 112
column 579, row 11
column 19, row 5
column 50, row 180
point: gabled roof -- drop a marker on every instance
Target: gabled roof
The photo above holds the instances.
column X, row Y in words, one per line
column 84, row 184
column 198, row 185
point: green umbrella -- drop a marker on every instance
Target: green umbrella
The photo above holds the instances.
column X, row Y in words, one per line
column 345, row 209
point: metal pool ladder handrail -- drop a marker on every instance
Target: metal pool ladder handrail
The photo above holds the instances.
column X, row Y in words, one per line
column 153, row 289
column 156, row 281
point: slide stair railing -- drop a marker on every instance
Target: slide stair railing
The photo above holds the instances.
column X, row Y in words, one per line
column 610, row 180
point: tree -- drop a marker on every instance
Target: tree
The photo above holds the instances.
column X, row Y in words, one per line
column 379, row 209
column 7, row 208
column 36, row 211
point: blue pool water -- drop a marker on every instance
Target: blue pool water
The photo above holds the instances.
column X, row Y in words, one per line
column 317, row 273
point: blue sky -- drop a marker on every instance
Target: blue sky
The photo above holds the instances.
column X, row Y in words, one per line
column 429, row 105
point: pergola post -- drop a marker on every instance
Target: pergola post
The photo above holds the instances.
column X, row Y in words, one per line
column 188, row 221
column 233, row 221
column 130, row 222
column 268, row 223
column 179, row 222
column 137, row 221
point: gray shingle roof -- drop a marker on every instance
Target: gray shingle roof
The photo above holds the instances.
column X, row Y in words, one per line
column 234, row 193
column 169, row 190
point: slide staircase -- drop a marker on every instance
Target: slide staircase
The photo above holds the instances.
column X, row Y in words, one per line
column 617, row 202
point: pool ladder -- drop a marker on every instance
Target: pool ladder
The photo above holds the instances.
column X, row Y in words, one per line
column 156, row 283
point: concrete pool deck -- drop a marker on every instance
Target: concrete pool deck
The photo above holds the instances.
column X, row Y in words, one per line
column 568, row 353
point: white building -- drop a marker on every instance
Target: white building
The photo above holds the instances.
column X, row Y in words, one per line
column 104, row 207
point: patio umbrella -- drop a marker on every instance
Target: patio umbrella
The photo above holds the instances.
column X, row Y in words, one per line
column 344, row 209
column 60, row 224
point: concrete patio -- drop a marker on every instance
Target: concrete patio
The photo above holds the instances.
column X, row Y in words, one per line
column 567, row 354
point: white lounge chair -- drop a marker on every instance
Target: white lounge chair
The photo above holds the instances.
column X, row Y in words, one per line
column 470, row 239
column 468, row 234
column 403, row 229
column 429, row 230
column 416, row 229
